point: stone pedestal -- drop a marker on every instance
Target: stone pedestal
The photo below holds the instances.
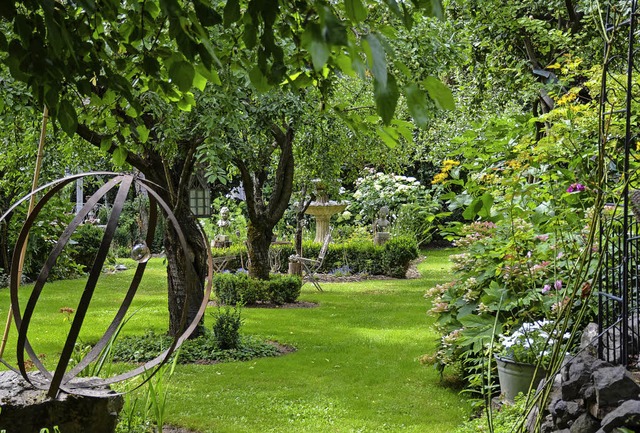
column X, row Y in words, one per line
column 28, row 410
column 380, row 238
column 323, row 212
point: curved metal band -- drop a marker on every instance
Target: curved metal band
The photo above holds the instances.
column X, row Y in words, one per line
column 62, row 381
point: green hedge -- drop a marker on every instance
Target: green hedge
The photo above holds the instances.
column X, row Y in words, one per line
column 391, row 259
column 231, row 289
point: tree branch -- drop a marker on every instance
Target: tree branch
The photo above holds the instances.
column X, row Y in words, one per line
column 95, row 139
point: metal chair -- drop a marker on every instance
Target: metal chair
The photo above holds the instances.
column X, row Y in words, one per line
column 311, row 266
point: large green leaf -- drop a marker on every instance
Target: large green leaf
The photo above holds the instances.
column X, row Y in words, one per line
column 377, row 58
column 472, row 210
column 182, row 74
column 417, row 103
column 231, row 12
column 258, row 79
column 440, row 93
column 355, row 10
column 312, row 40
column 120, row 156
column 487, row 203
column 386, row 98
column 67, row 117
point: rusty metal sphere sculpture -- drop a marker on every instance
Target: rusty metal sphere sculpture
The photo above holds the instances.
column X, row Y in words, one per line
column 61, row 379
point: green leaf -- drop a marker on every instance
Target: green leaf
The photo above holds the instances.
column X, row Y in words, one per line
column 199, row 82
column 417, row 103
column 182, row 74
column 314, row 43
column 439, row 93
column 355, row 10
column 67, row 117
column 143, row 133
column 186, row 102
column 487, row 203
column 377, row 58
column 258, row 79
column 152, row 9
column 120, row 156
column 105, row 144
column 388, row 136
column 386, row 97
column 209, row 74
column 231, row 12
column 472, row 210
column 344, row 63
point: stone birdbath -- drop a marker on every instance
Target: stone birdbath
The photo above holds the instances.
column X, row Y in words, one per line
column 323, row 209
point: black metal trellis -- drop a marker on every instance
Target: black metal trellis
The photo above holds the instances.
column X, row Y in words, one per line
column 619, row 291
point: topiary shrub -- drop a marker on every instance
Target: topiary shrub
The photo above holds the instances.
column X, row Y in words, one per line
column 88, row 238
column 283, row 289
column 231, row 289
column 398, row 254
column 226, row 328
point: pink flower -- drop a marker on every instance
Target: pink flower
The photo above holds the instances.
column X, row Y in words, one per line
column 576, row 187
column 546, row 288
column 558, row 284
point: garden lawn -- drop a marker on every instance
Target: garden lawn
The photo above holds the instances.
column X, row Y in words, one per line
column 356, row 367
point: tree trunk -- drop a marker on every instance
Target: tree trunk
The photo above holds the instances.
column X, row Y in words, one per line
column 186, row 272
column 258, row 243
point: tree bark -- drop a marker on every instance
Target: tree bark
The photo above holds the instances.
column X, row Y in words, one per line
column 186, row 272
column 258, row 243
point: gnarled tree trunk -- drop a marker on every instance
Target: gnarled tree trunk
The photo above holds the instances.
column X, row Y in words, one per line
column 263, row 216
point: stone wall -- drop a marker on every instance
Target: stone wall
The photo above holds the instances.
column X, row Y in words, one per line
column 590, row 396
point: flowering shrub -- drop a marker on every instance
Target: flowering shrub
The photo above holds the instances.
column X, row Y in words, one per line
column 412, row 209
column 507, row 274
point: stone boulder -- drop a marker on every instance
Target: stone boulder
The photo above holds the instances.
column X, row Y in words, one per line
column 26, row 409
column 627, row 415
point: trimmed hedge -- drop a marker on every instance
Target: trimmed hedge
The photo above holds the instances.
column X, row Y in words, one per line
column 231, row 289
column 361, row 256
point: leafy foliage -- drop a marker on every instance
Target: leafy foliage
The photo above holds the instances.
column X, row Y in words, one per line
column 201, row 349
column 232, row 289
column 226, row 327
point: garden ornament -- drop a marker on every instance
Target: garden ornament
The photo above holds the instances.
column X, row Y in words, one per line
column 63, row 379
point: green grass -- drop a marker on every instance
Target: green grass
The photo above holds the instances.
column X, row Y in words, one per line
column 356, row 367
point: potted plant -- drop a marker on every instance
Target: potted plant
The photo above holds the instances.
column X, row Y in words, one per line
column 523, row 359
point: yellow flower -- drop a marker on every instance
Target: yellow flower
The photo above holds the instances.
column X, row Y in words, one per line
column 448, row 164
column 439, row 178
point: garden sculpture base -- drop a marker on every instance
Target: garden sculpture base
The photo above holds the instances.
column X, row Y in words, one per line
column 25, row 409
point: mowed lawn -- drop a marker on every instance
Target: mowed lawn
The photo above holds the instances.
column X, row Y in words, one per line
column 356, row 367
